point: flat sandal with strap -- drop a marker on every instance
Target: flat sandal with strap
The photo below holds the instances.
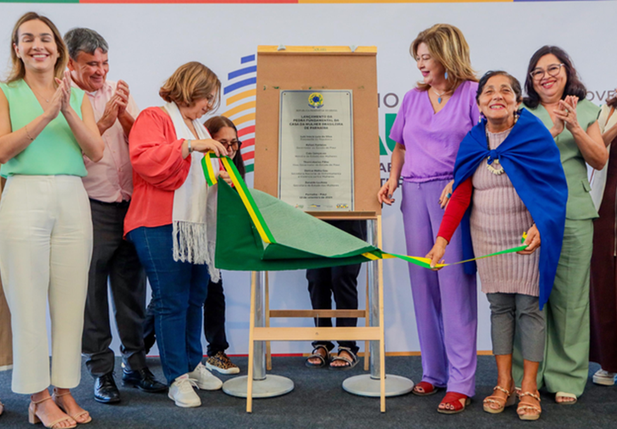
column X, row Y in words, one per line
column 427, row 389
column 33, row 418
column 453, row 398
column 60, row 404
column 501, row 402
column 522, row 406
column 324, row 360
column 350, row 362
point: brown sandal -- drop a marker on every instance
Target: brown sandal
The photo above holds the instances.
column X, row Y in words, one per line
column 522, row 406
column 77, row 417
column 33, row 418
column 324, row 359
column 501, row 402
column 349, row 362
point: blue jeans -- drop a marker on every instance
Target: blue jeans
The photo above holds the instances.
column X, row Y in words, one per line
column 179, row 290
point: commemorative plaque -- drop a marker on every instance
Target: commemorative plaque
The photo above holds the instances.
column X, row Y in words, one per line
column 316, row 150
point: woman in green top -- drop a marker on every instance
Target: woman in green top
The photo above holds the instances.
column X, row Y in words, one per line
column 45, row 224
column 557, row 96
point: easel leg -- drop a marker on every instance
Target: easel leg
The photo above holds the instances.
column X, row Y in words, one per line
column 382, row 342
column 367, row 344
column 377, row 384
column 267, row 311
column 249, row 384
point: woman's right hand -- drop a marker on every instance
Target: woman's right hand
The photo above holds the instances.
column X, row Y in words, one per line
column 558, row 126
column 437, row 252
column 207, row 145
column 387, row 190
column 55, row 104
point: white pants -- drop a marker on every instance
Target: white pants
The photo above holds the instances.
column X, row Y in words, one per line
column 45, row 251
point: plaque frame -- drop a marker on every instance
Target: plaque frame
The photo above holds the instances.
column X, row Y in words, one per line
column 324, row 95
column 320, row 68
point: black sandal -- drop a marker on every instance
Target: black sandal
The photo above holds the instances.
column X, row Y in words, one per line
column 323, row 360
column 349, row 362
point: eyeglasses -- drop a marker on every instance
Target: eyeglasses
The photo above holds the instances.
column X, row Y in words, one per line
column 234, row 144
column 552, row 70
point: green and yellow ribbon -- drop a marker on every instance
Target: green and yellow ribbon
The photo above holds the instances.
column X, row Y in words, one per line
column 266, row 234
column 243, row 191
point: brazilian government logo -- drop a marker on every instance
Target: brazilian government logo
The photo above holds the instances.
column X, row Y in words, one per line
column 315, row 100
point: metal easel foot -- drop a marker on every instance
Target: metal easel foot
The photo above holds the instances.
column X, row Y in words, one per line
column 269, row 387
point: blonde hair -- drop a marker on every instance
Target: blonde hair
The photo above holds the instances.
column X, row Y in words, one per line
column 191, row 82
column 18, row 70
column 448, row 46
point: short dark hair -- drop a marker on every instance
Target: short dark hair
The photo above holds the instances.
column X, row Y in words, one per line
column 84, row 40
column 574, row 86
column 514, row 83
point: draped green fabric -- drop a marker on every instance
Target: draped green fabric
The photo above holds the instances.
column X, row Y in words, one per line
column 302, row 241
column 257, row 232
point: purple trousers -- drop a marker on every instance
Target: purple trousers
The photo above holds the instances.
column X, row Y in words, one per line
column 445, row 301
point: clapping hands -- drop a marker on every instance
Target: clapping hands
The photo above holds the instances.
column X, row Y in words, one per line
column 115, row 107
column 61, row 100
column 565, row 114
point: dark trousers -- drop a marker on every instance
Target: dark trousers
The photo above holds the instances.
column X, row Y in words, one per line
column 214, row 320
column 342, row 282
column 113, row 259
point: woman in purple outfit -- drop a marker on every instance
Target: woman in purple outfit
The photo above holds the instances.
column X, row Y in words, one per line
column 432, row 121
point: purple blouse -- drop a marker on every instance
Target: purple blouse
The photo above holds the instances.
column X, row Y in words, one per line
column 432, row 139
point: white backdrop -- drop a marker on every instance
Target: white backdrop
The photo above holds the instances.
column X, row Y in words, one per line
column 149, row 41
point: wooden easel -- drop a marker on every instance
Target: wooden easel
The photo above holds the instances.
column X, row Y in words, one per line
column 320, row 68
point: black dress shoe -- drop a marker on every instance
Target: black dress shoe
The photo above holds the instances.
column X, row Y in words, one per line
column 105, row 389
column 143, row 379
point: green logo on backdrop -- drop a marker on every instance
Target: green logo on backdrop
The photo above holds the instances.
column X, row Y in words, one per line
column 390, row 117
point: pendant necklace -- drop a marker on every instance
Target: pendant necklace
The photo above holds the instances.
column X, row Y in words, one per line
column 36, row 93
column 497, row 169
column 439, row 95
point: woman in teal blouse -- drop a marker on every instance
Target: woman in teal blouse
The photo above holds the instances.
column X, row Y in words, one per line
column 557, row 97
column 45, row 224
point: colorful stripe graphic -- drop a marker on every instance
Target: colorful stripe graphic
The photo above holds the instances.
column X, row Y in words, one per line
column 239, row 94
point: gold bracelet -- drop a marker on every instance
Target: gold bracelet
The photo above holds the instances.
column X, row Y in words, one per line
column 28, row 134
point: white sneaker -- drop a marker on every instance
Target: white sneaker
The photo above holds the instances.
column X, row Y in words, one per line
column 182, row 393
column 204, row 379
column 604, row 378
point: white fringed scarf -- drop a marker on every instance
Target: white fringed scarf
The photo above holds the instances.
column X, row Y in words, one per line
column 194, row 209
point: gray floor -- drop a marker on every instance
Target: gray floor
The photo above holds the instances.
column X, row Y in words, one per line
column 318, row 401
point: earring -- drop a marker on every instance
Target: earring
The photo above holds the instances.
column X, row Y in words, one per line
column 445, row 75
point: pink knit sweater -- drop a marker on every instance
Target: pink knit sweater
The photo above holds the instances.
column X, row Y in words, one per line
column 498, row 220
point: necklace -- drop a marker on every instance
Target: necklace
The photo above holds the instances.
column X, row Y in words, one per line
column 439, row 95
column 495, row 166
column 36, row 93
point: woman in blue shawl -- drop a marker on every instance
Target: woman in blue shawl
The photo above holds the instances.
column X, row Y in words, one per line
column 509, row 180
